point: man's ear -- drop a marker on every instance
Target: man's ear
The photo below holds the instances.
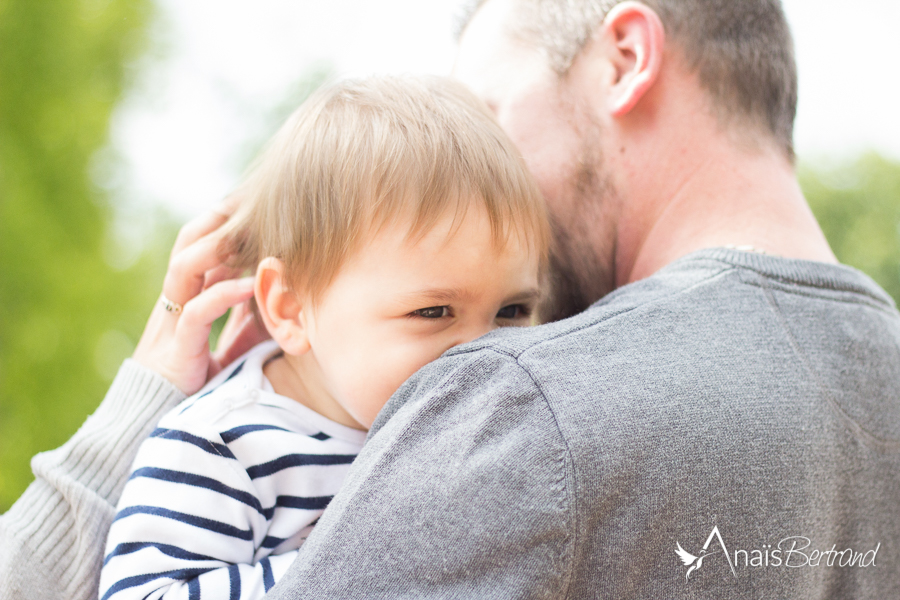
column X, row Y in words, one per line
column 632, row 38
column 280, row 308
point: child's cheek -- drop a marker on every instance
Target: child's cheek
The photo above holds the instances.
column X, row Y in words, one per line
column 362, row 390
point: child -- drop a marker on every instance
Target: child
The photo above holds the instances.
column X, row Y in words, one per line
column 390, row 220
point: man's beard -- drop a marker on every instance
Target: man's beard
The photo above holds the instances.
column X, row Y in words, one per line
column 582, row 255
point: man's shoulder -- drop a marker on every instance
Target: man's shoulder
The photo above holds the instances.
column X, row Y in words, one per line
column 697, row 290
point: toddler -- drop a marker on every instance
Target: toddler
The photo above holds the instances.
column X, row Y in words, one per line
column 389, row 220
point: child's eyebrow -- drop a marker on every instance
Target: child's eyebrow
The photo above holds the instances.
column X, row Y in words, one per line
column 447, row 295
column 438, row 294
column 526, row 296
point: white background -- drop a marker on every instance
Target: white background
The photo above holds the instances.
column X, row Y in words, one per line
column 185, row 130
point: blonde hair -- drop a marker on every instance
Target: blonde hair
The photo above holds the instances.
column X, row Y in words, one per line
column 361, row 154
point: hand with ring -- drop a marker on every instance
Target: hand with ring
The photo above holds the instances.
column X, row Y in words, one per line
column 198, row 289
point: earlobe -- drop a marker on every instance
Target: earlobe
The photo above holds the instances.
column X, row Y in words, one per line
column 635, row 37
column 280, row 308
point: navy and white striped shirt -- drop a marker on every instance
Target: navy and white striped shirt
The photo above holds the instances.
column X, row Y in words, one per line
column 225, row 490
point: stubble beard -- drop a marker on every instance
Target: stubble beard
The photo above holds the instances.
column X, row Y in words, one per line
column 582, row 255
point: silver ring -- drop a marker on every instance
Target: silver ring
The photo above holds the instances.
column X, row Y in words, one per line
column 172, row 307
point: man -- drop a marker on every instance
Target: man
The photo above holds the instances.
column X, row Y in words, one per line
column 723, row 425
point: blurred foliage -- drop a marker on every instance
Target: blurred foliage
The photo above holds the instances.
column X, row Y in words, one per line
column 74, row 286
column 858, row 205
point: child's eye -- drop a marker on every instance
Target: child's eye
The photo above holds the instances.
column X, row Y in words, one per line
column 514, row 311
column 432, row 312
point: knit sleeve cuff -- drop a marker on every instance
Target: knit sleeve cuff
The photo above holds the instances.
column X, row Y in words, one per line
column 98, row 457
column 52, row 539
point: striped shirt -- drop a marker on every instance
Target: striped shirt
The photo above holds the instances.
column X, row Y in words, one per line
column 224, row 491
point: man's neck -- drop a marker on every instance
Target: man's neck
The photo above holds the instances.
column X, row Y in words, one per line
column 730, row 196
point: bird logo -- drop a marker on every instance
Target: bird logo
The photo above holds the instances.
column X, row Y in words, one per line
column 695, row 562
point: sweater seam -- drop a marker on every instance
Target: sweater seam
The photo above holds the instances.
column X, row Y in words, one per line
column 859, row 299
column 573, row 528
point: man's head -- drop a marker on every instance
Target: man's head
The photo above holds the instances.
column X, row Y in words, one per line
column 742, row 50
column 602, row 97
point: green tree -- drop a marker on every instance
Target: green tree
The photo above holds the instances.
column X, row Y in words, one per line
column 65, row 313
column 858, row 205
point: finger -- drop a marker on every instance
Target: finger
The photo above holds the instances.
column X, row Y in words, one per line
column 160, row 327
column 246, row 333
column 242, row 321
column 221, row 273
column 237, row 319
column 234, row 323
column 195, row 322
column 187, row 269
column 196, row 228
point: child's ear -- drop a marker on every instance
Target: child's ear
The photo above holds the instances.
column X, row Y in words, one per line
column 280, row 308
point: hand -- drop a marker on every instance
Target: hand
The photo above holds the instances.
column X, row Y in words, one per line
column 176, row 344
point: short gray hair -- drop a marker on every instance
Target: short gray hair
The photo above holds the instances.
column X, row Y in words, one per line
column 741, row 49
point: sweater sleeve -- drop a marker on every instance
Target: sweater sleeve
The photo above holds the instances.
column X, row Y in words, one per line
column 52, row 539
column 464, row 489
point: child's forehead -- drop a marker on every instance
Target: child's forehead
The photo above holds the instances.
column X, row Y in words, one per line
column 452, row 260
column 446, row 254
column 438, row 254
column 463, row 225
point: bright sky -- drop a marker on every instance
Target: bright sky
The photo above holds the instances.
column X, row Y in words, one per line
column 184, row 132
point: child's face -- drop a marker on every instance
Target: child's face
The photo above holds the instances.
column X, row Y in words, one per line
column 399, row 304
